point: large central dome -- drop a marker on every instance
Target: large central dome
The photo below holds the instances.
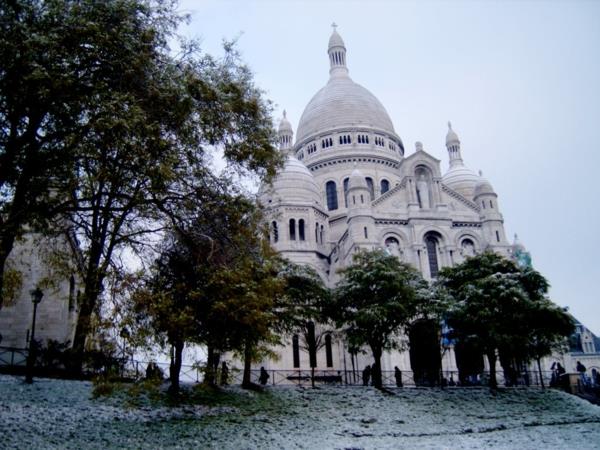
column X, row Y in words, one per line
column 342, row 102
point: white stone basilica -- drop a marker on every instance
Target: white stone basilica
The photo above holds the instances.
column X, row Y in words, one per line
column 348, row 185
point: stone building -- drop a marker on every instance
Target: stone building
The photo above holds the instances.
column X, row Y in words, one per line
column 49, row 263
column 349, row 184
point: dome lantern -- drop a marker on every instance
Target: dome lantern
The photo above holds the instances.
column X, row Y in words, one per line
column 337, row 54
column 285, row 132
column 458, row 177
column 453, row 146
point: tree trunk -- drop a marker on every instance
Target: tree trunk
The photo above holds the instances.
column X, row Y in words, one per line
column 93, row 287
column 539, row 364
column 376, row 371
column 246, row 380
column 491, row 356
column 210, row 372
column 83, row 327
column 175, row 366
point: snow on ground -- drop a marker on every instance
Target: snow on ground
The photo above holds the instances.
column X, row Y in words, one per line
column 62, row 414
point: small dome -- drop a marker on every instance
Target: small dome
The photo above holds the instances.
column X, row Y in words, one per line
column 483, row 186
column 284, row 124
column 451, row 137
column 294, row 184
column 461, row 179
column 357, row 180
column 336, row 40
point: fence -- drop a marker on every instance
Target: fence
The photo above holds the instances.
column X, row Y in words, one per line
column 11, row 356
column 16, row 358
column 303, row 377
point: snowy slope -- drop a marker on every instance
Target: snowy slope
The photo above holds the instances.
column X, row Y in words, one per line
column 61, row 414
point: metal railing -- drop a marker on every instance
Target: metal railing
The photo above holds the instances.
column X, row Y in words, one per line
column 11, row 357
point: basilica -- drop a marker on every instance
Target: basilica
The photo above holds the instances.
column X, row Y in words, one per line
column 349, row 183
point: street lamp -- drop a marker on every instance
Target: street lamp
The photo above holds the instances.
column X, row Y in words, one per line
column 36, row 298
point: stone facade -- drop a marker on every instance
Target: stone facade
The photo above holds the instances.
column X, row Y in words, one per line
column 349, row 184
column 48, row 263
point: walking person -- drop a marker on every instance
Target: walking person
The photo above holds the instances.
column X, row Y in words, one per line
column 264, row 376
column 398, row 376
column 224, row 374
column 366, row 375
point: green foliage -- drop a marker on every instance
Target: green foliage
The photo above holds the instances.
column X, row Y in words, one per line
column 101, row 123
column 12, row 284
column 498, row 306
column 377, row 296
column 305, row 298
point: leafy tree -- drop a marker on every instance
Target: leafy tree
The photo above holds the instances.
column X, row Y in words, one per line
column 548, row 329
column 215, row 284
column 302, row 309
column 376, row 298
column 104, row 128
column 244, row 313
column 496, row 305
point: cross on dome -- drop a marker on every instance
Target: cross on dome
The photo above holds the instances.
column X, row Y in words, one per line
column 334, row 26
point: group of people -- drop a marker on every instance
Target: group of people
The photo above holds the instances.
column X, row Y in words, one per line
column 366, row 376
column 263, row 377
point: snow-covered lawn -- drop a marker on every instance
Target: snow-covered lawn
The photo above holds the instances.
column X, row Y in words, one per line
column 62, row 414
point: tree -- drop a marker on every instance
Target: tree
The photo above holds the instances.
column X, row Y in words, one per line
column 549, row 327
column 111, row 133
column 215, row 283
column 302, row 309
column 494, row 306
column 375, row 299
column 44, row 83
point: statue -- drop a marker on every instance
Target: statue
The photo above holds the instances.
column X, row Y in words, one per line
column 423, row 192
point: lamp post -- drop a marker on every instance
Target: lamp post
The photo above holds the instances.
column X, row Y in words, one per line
column 36, row 298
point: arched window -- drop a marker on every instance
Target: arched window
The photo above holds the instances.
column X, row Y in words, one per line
column 497, row 236
column 385, row 186
column 371, row 187
column 301, row 229
column 331, row 190
column 321, row 235
column 346, row 181
column 317, row 232
column 328, row 351
column 292, row 230
column 275, row 231
column 431, row 242
column 296, row 351
column 366, row 233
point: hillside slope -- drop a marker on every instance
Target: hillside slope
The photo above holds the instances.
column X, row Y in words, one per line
column 61, row 414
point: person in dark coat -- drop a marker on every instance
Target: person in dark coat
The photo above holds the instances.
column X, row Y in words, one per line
column 398, row 376
column 366, row 375
column 264, row 376
column 224, row 374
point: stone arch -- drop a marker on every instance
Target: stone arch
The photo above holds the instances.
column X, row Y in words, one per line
column 432, row 228
column 424, row 352
column 394, row 244
column 462, row 246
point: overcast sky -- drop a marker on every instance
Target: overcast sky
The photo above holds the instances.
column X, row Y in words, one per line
column 520, row 82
